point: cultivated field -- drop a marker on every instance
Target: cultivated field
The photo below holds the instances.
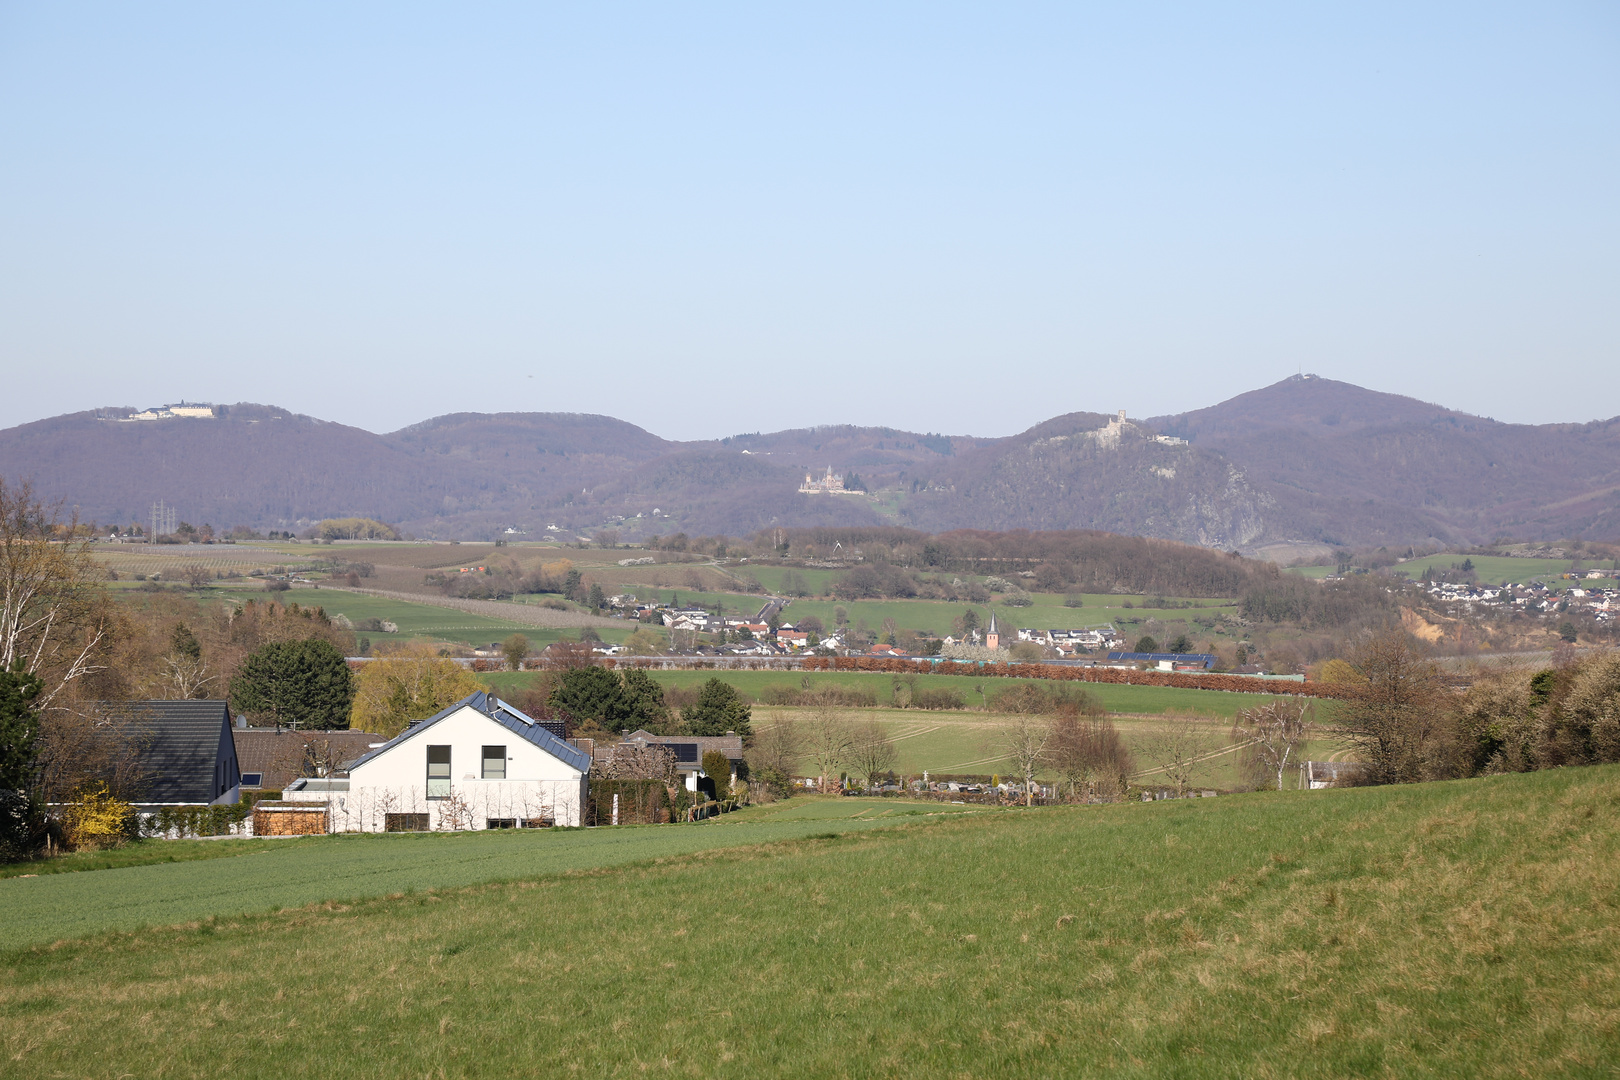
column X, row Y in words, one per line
column 1460, row 929
column 401, row 569
column 947, row 741
column 1115, row 697
column 1491, row 569
column 170, row 560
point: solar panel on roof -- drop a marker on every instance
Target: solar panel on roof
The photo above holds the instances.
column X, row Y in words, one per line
column 684, row 751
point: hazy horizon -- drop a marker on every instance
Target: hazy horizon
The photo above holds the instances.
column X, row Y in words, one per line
column 722, row 219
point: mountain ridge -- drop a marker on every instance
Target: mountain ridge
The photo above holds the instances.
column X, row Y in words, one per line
column 1304, row 460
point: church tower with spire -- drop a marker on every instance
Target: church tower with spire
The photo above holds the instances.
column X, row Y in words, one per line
column 992, row 635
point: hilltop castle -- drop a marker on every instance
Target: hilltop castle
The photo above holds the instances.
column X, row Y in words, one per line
column 831, row 484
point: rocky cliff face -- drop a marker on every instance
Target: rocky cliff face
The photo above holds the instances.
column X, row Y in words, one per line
column 1083, row 472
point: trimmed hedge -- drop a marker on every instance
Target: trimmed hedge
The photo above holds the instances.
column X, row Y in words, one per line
column 197, row 820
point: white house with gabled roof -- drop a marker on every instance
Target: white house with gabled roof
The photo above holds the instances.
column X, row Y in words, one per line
column 478, row 764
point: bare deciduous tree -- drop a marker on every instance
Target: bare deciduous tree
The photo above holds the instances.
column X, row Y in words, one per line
column 99, row 742
column 1176, row 749
column 54, row 613
column 828, row 740
column 775, row 750
column 638, row 761
column 1271, row 735
column 1396, row 716
column 322, row 757
column 1026, row 741
column 196, row 574
column 872, row 753
column 1090, row 756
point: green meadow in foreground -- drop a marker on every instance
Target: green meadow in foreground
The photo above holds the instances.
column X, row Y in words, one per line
column 1457, row 929
column 162, row 882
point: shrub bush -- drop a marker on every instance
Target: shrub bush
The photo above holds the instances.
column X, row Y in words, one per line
column 937, row 699
column 98, row 818
column 641, row 802
column 19, row 831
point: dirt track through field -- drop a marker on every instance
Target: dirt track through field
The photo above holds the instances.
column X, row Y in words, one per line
column 530, row 614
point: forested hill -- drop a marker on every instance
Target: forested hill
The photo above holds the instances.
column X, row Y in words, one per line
column 1305, row 460
column 1352, row 466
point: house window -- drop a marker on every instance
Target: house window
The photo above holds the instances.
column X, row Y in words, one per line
column 438, row 774
column 494, row 763
column 252, row 779
column 500, row 823
column 405, row 823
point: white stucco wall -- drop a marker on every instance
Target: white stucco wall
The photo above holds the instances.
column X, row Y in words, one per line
column 537, row 785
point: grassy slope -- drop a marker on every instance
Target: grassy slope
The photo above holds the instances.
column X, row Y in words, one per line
column 280, row 873
column 1463, row 929
column 168, row 851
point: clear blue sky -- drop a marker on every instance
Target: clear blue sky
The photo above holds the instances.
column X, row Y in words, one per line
column 709, row 219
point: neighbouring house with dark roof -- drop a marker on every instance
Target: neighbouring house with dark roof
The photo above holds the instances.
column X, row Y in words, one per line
column 477, row 764
column 186, row 751
column 688, row 751
column 272, row 758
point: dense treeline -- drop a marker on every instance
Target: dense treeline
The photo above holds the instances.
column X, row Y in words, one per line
column 1520, row 720
column 1318, row 604
column 1406, row 725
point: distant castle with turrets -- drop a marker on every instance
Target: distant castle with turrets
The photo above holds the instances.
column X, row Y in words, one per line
column 831, row 484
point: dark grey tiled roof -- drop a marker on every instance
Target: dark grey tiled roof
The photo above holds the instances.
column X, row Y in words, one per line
column 509, row 717
column 180, row 746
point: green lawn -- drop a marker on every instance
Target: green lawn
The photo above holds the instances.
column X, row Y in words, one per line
column 1466, row 929
column 272, row 874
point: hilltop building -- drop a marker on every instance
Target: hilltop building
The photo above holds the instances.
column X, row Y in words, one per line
column 831, row 484
column 173, row 412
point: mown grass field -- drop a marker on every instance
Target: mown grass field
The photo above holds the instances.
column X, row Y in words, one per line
column 265, row 875
column 1447, row 930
